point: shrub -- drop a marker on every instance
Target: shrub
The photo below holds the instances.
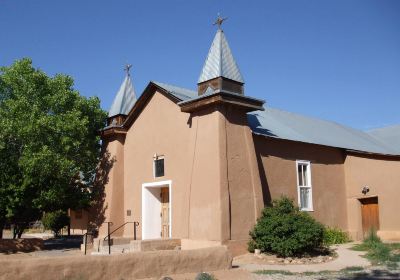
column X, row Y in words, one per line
column 55, row 221
column 205, row 276
column 286, row 231
column 335, row 236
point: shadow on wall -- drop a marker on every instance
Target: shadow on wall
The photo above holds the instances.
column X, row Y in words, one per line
column 267, row 148
column 98, row 207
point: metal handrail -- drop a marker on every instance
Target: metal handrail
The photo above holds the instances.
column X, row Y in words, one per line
column 108, row 237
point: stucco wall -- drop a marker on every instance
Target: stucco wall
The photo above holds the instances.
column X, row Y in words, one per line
column 210, row 164
column 277, row 164
column 114, row 185
column 382, row 176
column 163, row 130
column 245, row 192
column 126, row 266
column 78, row 225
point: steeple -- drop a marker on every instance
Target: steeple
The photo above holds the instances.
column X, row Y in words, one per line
column 124, row 100
column 220, row 71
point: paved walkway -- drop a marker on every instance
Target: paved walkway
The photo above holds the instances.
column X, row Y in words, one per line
column 346, row 258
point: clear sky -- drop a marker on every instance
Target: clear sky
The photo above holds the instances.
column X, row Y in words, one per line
column 332, row 59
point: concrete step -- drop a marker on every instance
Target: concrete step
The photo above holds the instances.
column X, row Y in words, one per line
column 115, row 249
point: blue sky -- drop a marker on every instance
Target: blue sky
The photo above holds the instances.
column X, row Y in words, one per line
column 337, row 60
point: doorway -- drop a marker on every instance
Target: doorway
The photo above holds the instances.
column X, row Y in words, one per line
column 369, row 214
column 156, row 210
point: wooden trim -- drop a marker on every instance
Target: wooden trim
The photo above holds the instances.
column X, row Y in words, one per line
column 111, row 131
column 243, row 102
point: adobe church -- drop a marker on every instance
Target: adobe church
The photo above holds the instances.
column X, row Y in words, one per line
column 200, row 165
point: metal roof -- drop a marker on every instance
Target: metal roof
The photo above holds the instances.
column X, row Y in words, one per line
column 284, row 125
column 125, row 98
column 220, row 61
column 390, row 136
column 180, row 93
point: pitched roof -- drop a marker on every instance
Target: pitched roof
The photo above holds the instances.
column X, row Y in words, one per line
column 180, row 93
column 389, row 135
column 284, row 125
column 124, row 100
column 220, row 61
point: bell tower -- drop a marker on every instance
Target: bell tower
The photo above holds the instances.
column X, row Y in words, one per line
column 220, row 71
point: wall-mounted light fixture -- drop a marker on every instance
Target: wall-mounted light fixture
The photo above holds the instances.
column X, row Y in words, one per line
column 365, row 190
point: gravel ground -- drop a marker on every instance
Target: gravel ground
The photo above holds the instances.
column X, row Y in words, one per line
column 348, row 274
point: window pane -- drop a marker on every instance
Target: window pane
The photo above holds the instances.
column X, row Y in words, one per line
column 159, row 167
column 304, row 198
column 300, row 174
column 305, row 174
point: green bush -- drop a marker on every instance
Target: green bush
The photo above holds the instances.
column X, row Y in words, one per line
column 55, row 221
column 335, row 236
column 286, row 231
column 205, row 276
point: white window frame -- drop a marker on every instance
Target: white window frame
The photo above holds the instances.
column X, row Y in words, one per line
column 308, row 163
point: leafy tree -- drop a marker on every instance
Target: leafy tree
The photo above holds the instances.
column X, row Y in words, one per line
column 49, row 146
column 55, row 221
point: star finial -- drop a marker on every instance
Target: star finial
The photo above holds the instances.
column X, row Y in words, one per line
column 219, row 21
column 127, row 68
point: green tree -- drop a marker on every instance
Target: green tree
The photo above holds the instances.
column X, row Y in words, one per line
column 49, row 145
column 55, row 221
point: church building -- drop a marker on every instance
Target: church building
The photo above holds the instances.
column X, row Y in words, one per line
column 200, row 165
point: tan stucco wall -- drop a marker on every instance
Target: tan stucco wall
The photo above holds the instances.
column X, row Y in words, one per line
column 382, row 176
column 140, row 265
column 245, row 192
column 163, row 130
column 114, row 186
column 210, row 160
column 277, row 163
column 78, row 225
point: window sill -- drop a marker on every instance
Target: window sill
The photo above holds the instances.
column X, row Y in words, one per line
column 307, row 210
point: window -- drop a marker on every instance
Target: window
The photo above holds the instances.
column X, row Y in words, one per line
column 304, row 185
column 158, row 166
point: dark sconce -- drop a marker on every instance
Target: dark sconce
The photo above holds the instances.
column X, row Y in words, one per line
column 365, row 190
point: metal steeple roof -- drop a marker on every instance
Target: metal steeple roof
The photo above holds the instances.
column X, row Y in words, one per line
column 125, row 98
column 220, row 61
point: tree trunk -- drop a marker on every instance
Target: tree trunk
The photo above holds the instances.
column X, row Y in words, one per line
column 69, row 229
column 1, row 230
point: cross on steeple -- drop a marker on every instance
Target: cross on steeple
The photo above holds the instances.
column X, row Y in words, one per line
column 127, row 68
column 219, row 21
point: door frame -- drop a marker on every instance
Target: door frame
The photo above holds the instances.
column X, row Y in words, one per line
column 167, row 184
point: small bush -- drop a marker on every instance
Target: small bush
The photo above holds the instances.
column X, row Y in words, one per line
column 335, row 236
column 286, row 231
column 205, row 276
column 55, row 221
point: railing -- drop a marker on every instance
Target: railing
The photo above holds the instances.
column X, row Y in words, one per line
column 108, row 237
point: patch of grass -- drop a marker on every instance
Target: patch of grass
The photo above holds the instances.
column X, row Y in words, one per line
column 312, row 273
column 271, row 272
column 352, row 269
column 379, row 253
